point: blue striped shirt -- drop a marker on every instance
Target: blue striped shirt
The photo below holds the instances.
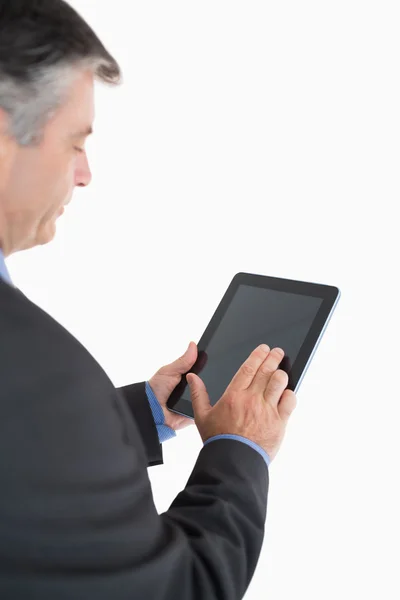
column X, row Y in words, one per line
column 164, row 432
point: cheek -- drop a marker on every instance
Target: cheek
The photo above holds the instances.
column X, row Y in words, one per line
column 62, row 183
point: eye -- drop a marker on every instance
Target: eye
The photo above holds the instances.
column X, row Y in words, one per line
column 79, row 149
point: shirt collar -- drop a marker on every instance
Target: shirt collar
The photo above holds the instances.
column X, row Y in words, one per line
column 4, row 274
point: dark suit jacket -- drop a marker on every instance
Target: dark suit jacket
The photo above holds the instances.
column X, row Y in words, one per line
column 77, row 517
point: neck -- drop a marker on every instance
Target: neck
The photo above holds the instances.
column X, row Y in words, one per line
column 3, row 245
column 8, row 235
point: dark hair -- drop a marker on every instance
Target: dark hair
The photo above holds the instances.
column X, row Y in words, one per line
column 43, row 43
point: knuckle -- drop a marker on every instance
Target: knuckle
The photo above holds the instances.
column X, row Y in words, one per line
column 270, row 365
column 266, row 368
column 247, row 369
column 278, row 380
column 281, row 377
column 230, row 399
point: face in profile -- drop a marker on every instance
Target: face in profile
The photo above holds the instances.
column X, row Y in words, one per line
column 40, row 180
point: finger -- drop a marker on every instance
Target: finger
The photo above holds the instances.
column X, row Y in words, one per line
column 287, row 404
column 266, row 370
column 249, row 368
column 182, row 364
column 276, row 386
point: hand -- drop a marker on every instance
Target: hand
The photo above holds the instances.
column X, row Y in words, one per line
column 165, row 381
column 255, row 405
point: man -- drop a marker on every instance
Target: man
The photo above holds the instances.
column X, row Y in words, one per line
column 77, row 517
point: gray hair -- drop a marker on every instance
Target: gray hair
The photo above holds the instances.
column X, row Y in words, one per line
column 44, row 44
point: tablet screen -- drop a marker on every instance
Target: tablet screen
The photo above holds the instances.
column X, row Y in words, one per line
column 254, row 316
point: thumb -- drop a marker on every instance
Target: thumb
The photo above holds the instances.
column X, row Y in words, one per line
column 182, row 364
column 200, row 398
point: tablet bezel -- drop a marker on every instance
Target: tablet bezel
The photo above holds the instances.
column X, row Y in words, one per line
column 329, row 295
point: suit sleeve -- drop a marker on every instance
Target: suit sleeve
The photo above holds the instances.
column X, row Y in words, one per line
column 138, row 404
column 207, row 544
column 216, row 524
column 77, row 515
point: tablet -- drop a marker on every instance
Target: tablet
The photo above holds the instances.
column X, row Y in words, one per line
column 257, row 309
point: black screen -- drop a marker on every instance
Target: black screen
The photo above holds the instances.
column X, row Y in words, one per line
column 255, row 316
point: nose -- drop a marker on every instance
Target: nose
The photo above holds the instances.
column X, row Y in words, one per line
column 83, row 175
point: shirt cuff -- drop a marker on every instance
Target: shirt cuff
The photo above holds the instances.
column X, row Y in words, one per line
column 239, row 438
column 164, row 432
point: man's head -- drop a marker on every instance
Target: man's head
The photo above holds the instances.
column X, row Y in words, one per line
column 49, row 60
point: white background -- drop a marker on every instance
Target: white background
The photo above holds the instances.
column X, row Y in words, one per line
column 261, row 137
